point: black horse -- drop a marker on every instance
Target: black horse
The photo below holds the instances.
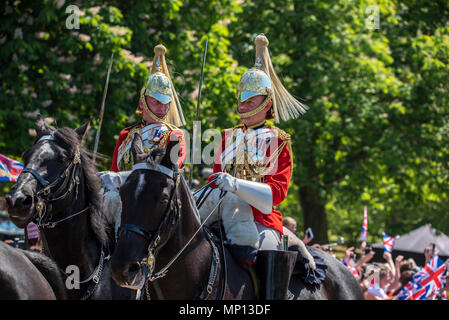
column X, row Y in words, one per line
column 162, row 240
column 26, row 275
column 59, row 190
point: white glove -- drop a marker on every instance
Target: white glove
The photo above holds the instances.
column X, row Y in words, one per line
column 113, row 180
column 225, row 182
column 257, row 194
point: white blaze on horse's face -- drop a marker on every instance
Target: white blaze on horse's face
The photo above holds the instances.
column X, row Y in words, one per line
column 140, row 186
column 46, row 153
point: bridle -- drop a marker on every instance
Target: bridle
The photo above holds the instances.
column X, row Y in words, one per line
column 69, row 177
column 170, row 217
column 173, row 210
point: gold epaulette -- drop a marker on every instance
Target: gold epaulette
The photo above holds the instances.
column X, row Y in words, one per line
column 287, row 140
column 132, row 130
column 171, row 126
column 281, row 134
column 131, row 127
column 233, row 128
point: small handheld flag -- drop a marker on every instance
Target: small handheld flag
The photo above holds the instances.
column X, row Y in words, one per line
column 425, row 283
column 350, row 264
column 389, row 242
column 9, row 169
column 364, row 225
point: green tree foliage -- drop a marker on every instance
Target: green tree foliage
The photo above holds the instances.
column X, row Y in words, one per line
column 377, row 130
column 60, row 73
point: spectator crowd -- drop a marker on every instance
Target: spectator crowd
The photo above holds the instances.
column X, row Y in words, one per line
column 386, row 280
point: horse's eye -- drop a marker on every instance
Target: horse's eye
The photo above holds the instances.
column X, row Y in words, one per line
column 164, row 200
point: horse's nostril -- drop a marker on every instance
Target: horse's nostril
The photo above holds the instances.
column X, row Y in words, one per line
column 9, row 201
column 21, row 202
column 27, row 202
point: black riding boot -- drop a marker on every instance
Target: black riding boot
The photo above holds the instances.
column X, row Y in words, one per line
column 274, row 269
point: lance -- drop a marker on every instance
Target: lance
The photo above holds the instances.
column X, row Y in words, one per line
column 197, row 115
column 105, row 91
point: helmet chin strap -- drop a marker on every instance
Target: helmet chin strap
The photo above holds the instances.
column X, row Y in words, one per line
column 255, row 111
column 151, row 113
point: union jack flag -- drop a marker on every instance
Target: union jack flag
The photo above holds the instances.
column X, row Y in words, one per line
column 9, row 169
column 389, row 242
column 433, row 274
column 364, row 225
column 351, row 266
column 412, row 291
column 425, row 283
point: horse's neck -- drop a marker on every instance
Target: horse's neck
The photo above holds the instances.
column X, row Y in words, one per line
column 73, row 242
column 193, row 263
column 186, row 227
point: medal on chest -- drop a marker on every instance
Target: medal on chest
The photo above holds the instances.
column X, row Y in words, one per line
column 245, row 153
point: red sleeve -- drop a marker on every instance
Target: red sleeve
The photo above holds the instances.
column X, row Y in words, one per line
column 123, row 135
column 280, row 180
column 217, row 159
column 178, row 134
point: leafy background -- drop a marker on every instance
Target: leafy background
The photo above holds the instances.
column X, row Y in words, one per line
column 377, row 130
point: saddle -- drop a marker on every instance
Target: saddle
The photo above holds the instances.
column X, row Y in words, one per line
column 309, row 266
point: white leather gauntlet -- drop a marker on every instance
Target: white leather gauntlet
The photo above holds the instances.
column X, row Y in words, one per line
column 113, row 180
column 256, row 194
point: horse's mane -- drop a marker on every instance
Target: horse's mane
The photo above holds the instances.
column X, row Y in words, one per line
column 100, row 222
column 155, row 158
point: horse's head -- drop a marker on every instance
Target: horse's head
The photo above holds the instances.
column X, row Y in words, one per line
column 44, row 162
column 149, row 198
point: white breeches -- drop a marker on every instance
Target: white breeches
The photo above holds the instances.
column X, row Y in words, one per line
column 238, row 222
column 112, row 203
column 269, row 239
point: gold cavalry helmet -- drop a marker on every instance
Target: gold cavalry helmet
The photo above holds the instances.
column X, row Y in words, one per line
column 160, row 87
column 262, row 80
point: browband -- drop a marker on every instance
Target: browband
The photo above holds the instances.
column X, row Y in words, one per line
column 46, row 137
column 159, row 167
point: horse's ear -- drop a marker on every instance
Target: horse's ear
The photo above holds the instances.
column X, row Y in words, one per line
column 137, row 148
column 82, row 130
column 171, row 154
column 41, row 126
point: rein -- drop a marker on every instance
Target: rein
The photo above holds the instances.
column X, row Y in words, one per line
column 173, row 207
column 149, row 261
column 70, row 177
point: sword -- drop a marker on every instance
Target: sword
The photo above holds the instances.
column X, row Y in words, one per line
column 197, row 114
column 105, row 91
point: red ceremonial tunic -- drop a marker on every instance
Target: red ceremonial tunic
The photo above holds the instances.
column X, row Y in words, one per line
column 278, row 179
column 173, row 134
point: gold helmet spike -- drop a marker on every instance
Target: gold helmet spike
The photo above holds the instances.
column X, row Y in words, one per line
column 160, row 87
column 262, row 80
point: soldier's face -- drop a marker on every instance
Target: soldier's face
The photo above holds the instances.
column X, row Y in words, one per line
column 158, row 108
column 251, row 104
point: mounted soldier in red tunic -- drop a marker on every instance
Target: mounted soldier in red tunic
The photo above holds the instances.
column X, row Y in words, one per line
column 161, row 115
column 254, row 166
